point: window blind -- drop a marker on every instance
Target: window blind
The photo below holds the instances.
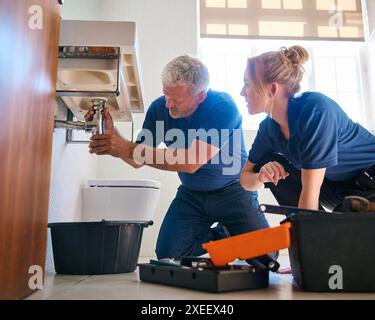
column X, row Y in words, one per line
column 282, row 19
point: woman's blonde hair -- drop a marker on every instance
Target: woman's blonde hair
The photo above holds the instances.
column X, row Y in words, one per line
column 283, row 67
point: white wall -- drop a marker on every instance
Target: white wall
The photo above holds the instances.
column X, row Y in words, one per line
column 81, row 9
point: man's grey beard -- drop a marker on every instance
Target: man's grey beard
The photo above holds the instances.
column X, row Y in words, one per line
column 178, row 116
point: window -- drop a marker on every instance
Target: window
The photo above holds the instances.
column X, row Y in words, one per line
column 334, row 69
column 289, row 19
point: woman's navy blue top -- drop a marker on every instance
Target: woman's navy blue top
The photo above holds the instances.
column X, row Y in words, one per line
column 321, row 136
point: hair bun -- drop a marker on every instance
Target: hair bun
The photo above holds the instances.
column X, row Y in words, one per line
column 297, row 55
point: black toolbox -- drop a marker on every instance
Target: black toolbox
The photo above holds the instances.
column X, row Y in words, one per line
column 210, row 280
column 333, row 252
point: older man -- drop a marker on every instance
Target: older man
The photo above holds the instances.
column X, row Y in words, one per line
column 202, row 129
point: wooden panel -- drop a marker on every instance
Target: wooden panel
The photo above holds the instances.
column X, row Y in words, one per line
column 28, row 65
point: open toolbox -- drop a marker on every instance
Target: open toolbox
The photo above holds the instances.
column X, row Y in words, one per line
column 200, row 274
column 329, row 252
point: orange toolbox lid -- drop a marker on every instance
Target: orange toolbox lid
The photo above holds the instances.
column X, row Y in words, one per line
column 249, row 245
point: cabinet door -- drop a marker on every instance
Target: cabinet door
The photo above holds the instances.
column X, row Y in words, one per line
column 29, row 34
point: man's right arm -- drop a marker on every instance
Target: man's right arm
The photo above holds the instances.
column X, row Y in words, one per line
column 181, row 160
column 132, row 163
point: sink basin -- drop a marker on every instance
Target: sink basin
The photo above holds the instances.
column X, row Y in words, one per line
column 87, row 80
column 98, row 59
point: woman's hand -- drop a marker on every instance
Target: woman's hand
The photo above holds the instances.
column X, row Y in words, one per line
column 272, row 172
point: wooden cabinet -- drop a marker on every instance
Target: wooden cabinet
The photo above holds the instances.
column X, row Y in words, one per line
column 29, row 34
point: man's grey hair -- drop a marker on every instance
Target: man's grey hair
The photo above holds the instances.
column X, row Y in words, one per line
column 186, row 70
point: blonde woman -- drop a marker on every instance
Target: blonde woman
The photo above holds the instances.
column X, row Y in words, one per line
column 307, row 151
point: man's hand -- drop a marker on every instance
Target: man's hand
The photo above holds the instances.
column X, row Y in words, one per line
column 111, row 143
column 272, row 172
column 108, row 124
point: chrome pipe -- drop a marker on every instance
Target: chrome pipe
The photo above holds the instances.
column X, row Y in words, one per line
column 75, row 125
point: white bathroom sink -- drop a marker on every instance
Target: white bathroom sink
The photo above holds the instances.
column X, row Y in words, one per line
column 87, row 80
column 98, row 59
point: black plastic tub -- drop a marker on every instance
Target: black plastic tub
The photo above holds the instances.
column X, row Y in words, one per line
column 333, row 252
column 96, row 247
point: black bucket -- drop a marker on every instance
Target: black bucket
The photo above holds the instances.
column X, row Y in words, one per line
column 96, row 247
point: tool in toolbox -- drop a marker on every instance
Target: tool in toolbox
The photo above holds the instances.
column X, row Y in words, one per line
column 196, row 262
column 287, row 210
column 357, row 204
column 264, row 262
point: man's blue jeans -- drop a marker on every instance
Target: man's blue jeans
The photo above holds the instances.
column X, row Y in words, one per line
column 189, row 218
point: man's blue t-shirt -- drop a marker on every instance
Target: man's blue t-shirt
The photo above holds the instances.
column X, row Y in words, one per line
column 321, row 136
column 216, row 121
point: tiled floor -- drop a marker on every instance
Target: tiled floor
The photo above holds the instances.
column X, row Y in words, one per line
column 127, row 286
